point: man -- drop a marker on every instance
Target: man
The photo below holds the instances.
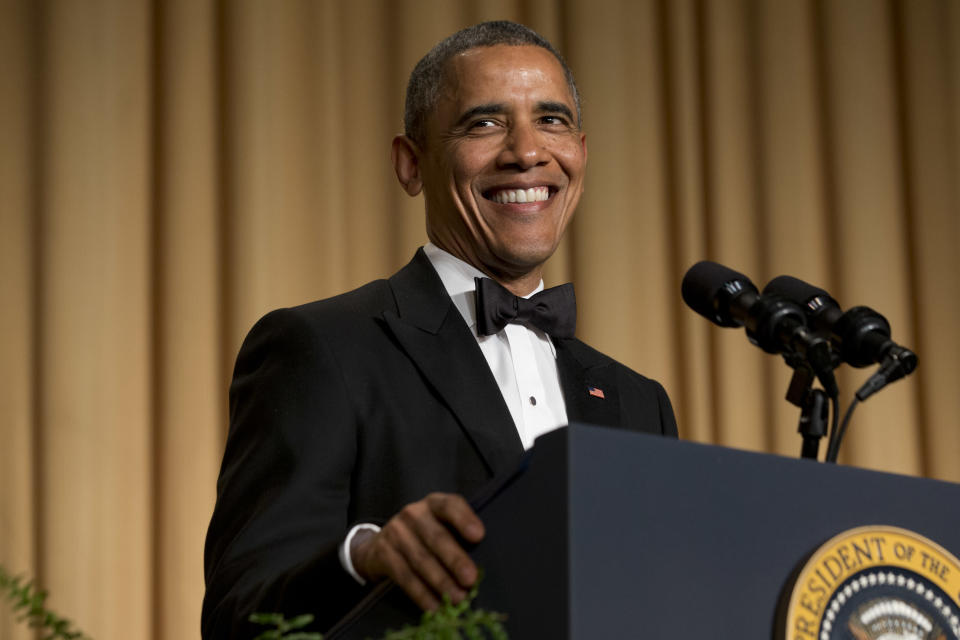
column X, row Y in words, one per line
column 388, row 404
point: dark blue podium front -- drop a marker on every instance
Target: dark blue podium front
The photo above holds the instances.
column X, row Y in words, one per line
column 609, row 534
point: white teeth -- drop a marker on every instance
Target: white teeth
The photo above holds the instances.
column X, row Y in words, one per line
column 533, row 194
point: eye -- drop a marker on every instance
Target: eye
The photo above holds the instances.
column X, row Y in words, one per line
column 555, row 120
column 485, row 123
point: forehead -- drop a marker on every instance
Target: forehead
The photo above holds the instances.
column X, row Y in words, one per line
column 505, row 72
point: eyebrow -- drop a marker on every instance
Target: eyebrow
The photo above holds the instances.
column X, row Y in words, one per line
column 555, row 107
column 494, row 108
column 489, row 109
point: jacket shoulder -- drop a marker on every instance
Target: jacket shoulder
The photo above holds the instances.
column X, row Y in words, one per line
column 370, row 300
column 639, row 395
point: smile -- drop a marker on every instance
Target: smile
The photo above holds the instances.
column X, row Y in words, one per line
column 533, row 194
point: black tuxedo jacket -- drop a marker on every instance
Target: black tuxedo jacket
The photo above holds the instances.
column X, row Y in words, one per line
column 346, row 409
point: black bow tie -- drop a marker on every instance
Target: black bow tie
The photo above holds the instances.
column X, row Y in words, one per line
column 553, row 311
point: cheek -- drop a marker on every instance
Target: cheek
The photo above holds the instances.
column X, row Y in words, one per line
column 571, row 159
column 471, row 158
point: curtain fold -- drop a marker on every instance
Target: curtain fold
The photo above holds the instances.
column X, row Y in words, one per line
column 170, row 170
column 18, row 518
column 188, row 279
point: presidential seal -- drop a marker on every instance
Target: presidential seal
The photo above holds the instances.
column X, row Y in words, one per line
column 876, row 583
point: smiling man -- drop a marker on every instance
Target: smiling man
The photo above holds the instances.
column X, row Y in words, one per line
column 359, row 423
column 501, row 161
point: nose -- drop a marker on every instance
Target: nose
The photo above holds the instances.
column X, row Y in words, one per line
column 524, row 148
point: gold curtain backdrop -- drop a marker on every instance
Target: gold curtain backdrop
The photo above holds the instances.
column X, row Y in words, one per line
column 171, row 170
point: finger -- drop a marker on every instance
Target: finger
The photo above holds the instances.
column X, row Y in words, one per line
column 432, row 551
column 439, row 543
column 456, row 511
column 398, row 569
column 379, row 557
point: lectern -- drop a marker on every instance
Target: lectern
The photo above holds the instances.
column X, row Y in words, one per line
column 603, row 533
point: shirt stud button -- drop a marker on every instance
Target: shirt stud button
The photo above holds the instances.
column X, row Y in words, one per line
column 533, row 401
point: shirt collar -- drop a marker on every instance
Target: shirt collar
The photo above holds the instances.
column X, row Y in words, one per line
column 457, row 277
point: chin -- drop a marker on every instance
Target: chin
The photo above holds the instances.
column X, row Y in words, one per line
column 525, row 256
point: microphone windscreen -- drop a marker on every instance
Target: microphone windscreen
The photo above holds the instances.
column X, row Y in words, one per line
column 707, row 288
column 795, row 290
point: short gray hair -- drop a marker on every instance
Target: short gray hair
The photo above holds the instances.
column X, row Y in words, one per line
column 423, row 89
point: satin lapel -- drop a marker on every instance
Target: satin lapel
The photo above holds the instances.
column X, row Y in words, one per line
column 434, row 335
column 589, row 384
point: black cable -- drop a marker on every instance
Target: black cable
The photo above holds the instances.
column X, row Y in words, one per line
column 835, row 411
column 834, row 449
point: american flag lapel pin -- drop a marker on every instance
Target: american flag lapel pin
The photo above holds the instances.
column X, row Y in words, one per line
column 596, row 392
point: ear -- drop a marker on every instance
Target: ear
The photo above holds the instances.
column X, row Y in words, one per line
column 406, row 162
column 583, row 145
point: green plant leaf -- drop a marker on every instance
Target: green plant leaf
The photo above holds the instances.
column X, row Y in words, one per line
column 300, row 621
column 283, row 626
column 454, row 622
column 28, row 601
column 266, row 618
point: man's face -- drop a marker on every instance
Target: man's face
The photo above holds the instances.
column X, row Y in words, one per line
column 504, row 160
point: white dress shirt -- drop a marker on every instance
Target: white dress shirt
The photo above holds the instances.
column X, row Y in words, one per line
column 522, row 359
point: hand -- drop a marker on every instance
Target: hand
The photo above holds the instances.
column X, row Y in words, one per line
column 416, row 550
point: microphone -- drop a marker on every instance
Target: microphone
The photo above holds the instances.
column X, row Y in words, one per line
column 860, row 335
column 773, row 322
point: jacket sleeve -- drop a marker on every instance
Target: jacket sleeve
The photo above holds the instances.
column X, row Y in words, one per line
column 668, row 421
column 283, row 492
column 648, row 404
